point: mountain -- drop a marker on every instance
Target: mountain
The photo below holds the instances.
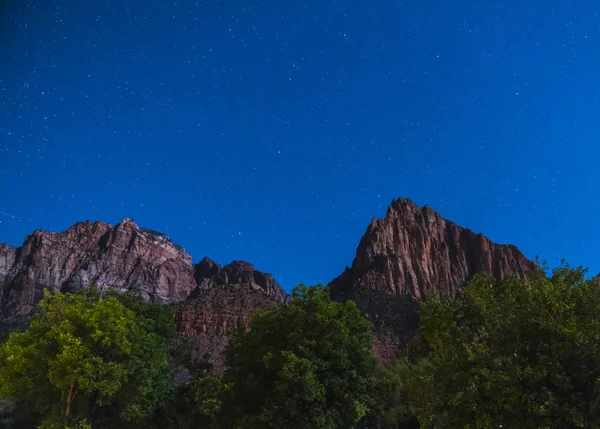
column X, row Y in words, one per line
column 212, row 299
column 204, row 322
column 410, row 253
column 209, row 274
column 225, row 299
column 400, row 259
column 123, row 255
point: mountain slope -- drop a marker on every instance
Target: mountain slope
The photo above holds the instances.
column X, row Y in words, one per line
column 118, row 256
column 406, row 255
column 212, row 299
column 401, row 258
column 225, row 299
column 413, row 251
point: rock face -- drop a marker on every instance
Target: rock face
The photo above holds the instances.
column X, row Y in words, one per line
column 413, row 251
column 118, row 256
column 406, row 255
column 225, row 299
column 208, row 274
column 205, row 321
column 217, row 299
column 8, row 254
column 400, row 259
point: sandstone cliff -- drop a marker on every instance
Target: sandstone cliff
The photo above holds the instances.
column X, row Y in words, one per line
column 401, row 258
column 225, row 300
column 205, row 322
column 413, row 251
column 406, row 255
column 122, row 255
column 217, row 299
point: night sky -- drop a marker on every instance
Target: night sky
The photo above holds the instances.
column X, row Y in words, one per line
column 273, row 131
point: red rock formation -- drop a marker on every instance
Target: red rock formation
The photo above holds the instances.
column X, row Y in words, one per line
column 122, row 256
column 208, row 274
column 8, row 255
column 409, row 253
column 413, row 251
column 205, row 322
column 225, row 300
column 117, row 256
column 401, row 258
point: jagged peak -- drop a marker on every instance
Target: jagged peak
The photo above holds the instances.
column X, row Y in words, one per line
column 241, row 264
column 403, row 203
column 128, row 222
column 448, row 255
column 208, row 261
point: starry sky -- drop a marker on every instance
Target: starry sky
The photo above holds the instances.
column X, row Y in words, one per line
column 273, row 131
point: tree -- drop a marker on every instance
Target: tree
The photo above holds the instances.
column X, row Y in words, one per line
column 305, row 365
column 88, row 359
column 390, row 408
column 511, row 354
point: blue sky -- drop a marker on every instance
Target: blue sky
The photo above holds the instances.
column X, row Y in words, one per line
column 274, row 131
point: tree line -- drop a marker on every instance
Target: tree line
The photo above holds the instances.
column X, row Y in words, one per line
column 510, row 354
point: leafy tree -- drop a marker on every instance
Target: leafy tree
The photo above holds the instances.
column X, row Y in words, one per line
column 87, row 360
column 390, row 407
column 184, row 408
column 6, row 413
column 305, row 365
column 511, row 354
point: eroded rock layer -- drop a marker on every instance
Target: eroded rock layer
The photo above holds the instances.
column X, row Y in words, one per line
column 119, row 256
column 410, row 253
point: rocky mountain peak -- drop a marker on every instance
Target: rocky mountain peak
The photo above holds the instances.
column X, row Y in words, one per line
column 128, row 223
column 118, row 256
column 208, row 273
column 409, row 253
column 414, row 250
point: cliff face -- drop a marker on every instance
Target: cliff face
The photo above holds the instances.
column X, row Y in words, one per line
column 225, row 300
column 406, row 255
column 217, row 299
column 401, row 258
column 413, row 251
column 205, row 322
column 122, row 255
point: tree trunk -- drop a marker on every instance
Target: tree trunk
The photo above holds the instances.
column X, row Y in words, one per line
column 70, row 397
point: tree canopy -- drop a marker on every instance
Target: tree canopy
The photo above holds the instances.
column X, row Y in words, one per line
column 89, row 359
column 511, row 354
column 306, row 365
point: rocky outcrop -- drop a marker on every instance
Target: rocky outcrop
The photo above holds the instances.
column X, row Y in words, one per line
column 225, row 299
column 8, row 254
column 119, row 256
column 205, row 322
column 406, row 255
column 413, row 251
column 124, row 256
column 208, row 274
column 400, row 259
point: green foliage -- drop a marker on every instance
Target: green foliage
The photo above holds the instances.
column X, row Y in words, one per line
column 508, row 354
column 11, row 324
column 305, row 365
column 157, row 235
column 153, row 234
column 511, row 354
column 87, row 359
column 390, row 407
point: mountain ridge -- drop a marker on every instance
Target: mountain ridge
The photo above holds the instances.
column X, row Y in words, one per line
column 400, row 258
column 409, row 253
column 119, row 256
